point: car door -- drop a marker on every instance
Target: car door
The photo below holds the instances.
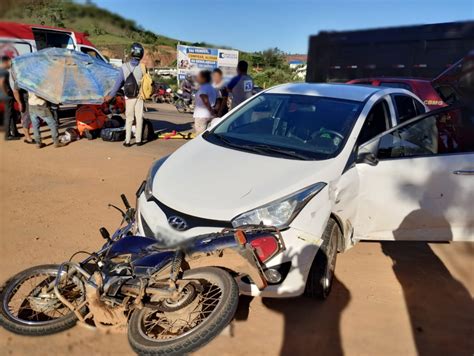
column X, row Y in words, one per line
column 417, row 180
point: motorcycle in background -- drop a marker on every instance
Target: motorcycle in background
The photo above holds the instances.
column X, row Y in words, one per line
column 183, row 103
column 172, row 299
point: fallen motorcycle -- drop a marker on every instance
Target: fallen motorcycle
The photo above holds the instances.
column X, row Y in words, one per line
column 172, row 299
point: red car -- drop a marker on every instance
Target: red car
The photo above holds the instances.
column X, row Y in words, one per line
column 420, row 87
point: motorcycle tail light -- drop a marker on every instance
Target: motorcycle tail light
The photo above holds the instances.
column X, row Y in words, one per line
column 265, row 247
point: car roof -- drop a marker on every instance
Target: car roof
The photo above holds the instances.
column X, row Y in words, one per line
column 336, row 91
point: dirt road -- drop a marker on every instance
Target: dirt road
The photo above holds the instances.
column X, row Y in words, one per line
column 389, row 299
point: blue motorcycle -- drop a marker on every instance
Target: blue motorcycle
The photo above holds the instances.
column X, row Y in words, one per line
column 172, row 299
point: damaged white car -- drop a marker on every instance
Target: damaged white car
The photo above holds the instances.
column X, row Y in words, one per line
column 328, row 165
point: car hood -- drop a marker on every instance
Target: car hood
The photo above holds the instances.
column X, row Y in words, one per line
column 209, row 181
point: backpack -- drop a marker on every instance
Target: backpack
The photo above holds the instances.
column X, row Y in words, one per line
column 148, row 131
column 113, row 135
column 146, row 88
column 131, row 88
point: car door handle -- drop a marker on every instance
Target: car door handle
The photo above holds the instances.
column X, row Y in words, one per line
column 464, row 172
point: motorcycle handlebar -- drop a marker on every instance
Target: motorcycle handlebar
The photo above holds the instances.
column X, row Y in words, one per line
column 125, row 201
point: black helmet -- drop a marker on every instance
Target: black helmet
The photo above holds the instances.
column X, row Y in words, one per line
column 137, row 51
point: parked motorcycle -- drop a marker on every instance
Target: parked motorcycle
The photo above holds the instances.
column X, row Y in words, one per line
column 162, row 93
column 172, row 299
column 182, row 103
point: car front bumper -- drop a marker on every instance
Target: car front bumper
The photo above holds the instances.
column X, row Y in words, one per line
column 301, row 248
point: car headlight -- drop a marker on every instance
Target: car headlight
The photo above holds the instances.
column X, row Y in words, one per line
column 279, row 213
column 148, row 191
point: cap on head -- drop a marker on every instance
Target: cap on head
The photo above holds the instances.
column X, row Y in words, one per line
column 137, row 51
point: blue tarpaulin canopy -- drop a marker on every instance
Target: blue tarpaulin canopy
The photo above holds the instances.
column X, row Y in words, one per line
column 63, row 76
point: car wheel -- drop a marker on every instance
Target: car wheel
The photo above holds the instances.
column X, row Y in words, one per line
column 321, row 274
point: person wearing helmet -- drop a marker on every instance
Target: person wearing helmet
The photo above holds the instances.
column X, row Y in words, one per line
column 130, row 78
column 188, row 86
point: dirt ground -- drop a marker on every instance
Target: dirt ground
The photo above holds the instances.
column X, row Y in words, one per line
column 388, row 299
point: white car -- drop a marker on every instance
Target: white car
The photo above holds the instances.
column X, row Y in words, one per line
column 328, row 164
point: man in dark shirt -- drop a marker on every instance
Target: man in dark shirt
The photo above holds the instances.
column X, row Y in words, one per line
column 241, row 86
column 11, row 132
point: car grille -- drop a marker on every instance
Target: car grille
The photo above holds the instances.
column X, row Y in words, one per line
column 191, row 221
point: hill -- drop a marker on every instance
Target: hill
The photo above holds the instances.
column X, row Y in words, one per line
column 111, row 33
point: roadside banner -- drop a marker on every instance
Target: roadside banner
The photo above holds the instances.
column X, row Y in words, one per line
column 191, row 60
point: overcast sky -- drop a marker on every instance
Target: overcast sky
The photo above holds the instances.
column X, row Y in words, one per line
column 259, row 24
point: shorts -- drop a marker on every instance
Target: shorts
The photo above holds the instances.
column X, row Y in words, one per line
column 200, row 124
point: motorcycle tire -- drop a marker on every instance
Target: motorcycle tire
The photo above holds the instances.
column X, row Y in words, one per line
column 208, row 329
column 23, row 327
column 181, row 107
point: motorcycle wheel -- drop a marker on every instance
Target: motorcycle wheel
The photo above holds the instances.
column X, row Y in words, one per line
column 161, row 332
column 180, row 106
column 30, row 307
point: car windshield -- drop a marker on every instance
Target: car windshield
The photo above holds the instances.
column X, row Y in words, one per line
column 290, row 126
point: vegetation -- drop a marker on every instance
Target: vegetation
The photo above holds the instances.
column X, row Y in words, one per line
column 269, row 67
column 103, row 27
column 114, row 33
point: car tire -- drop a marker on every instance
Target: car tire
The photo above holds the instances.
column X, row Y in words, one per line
column 321, row 274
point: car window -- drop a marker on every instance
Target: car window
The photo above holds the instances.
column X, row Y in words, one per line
column 377, row 121
column 14, row 48
column 443, row 133
column 311, row 125
column 91, row 52
column 46, row 39
column 396, row 85
column 448, row 94
column 405, row 106
column 419, row 107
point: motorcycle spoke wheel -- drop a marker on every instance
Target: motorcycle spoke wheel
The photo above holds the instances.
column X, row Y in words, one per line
column 177, row 331
column 30, row 306
column 159, row 325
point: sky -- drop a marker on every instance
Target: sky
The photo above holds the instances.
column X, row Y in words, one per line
column 254, row 25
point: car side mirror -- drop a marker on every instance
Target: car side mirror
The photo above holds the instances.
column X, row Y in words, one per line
column 368, row 158
column 366, row 153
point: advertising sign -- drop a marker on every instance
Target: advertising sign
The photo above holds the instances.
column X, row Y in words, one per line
column 191, row 60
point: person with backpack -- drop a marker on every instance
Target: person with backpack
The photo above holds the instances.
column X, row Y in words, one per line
column 136, row 83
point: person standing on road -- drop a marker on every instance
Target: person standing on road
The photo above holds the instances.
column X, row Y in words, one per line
column 11, row 132
column 130, row 79
column 206, row 98
column 241, row 86
column 39, row 109
column 222, row 93
column 21, row 97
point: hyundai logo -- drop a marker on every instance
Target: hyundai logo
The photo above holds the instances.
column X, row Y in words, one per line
column 177, row 223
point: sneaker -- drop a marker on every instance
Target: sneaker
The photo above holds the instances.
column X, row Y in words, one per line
column 125, row 144
column 12, row 138
column 40, row 145
column 140, row 143
column 59, row 144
